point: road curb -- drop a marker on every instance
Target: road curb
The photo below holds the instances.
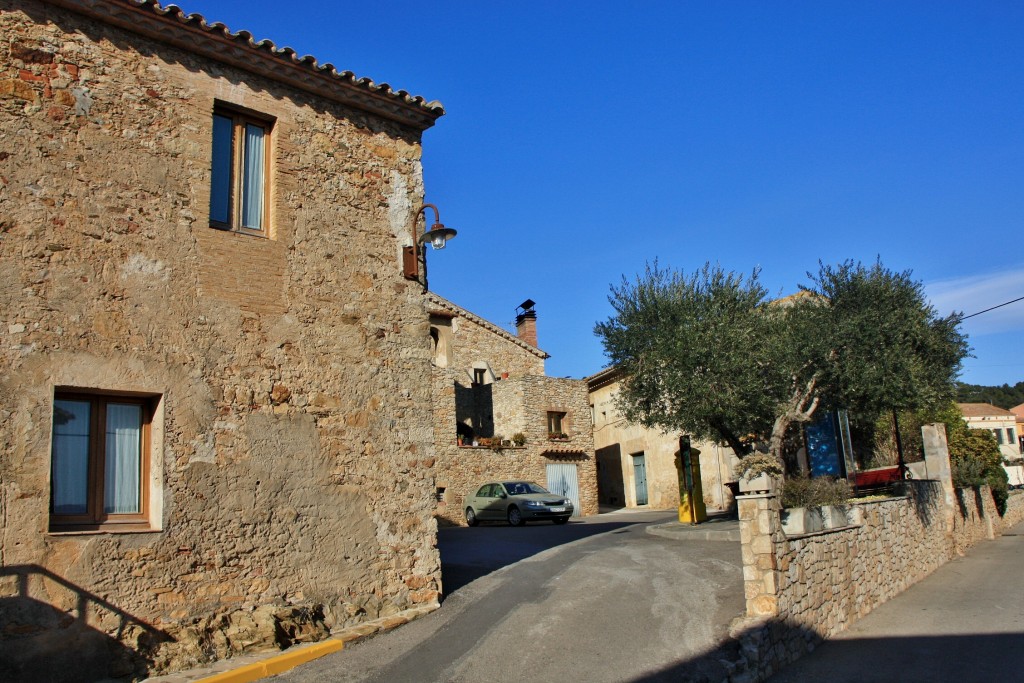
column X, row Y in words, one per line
column 682, row 532
column 262, row 665
column 276, row 664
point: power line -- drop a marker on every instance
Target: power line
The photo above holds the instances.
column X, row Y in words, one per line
column 993, row 308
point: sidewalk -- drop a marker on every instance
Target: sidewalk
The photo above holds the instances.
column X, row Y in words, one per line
column 963, row 623
column 718, row 527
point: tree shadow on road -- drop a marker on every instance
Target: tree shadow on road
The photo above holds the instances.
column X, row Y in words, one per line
column 468, row 553
column 777, row 652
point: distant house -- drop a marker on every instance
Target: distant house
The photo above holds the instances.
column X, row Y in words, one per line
column 216, row 429
column 1018, row 411
column 638, row 467
column 1001, row 422
column 498, row 416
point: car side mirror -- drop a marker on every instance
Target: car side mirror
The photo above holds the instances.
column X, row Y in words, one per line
column 502, row 495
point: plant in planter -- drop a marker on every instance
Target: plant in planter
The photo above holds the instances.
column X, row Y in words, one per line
column 558, row 436
column 519, row 439
column 758, row 472
column 813, row 504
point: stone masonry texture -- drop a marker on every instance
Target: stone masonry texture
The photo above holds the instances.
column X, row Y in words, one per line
column 292, row 459
column 802, row 589
column 514, row 398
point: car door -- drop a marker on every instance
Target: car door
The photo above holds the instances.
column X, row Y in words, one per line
column 495, row 502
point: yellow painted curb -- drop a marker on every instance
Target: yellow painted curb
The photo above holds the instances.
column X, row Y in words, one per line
column 275, row 665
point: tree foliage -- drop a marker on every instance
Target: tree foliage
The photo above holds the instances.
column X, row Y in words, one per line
column 1004, row 396
column 709, row 354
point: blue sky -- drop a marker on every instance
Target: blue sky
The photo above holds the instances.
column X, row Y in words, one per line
column 584, row 139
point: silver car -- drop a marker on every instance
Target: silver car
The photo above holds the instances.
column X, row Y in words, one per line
column 518, row 502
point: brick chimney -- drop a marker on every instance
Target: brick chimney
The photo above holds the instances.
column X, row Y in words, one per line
column 526, row 322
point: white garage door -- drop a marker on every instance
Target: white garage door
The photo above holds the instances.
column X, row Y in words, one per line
column 562, row 480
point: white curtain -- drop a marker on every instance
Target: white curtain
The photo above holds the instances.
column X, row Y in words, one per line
column 121, row 490
column 70, row 461
column 252, row 179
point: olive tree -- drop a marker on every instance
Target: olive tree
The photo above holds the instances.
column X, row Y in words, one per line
column 710, row 354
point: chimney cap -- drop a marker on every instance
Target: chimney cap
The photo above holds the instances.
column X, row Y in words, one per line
column 526, row 306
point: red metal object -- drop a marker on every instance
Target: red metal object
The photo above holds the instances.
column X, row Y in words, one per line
column 880, row 476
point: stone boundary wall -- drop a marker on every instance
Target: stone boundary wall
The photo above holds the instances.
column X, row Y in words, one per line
column 803, row 589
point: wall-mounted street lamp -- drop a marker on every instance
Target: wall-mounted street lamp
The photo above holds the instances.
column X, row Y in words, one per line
column 437, row 236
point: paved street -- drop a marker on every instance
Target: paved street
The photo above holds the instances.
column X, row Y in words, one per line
column 963, row 623
column 598, row 600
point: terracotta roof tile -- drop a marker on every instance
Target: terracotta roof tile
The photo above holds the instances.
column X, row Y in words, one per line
column 170, row 24
column 982, row 410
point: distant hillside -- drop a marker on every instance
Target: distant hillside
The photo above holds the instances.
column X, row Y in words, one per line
column 1004, row 396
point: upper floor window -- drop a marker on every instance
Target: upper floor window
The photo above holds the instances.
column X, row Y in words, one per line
column 239, row 186
column 556, row 425
column 99, row 462
column 479, row 376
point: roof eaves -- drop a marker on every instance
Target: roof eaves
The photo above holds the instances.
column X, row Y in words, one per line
column 170, row 25
column 487, row 324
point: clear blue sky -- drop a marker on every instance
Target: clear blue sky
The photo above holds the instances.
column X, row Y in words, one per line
column 585, row 138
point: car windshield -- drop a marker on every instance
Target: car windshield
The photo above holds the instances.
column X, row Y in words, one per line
column 519, row 488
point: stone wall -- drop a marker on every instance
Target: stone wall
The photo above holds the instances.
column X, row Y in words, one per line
column 292, row 441
column 803, row 589
column 519, row 405
column 514, row 397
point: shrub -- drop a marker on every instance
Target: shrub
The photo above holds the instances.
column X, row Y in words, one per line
column 519, row 439
column 976, row 461
column 800, row 492
column 756, row 464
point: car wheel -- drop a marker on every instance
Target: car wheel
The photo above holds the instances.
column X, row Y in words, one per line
column 561, row 520
column 471, row 519
column 515, row 517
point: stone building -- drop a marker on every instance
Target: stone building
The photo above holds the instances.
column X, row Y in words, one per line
column 638, row 466
column 490, row 394
column 215, row 399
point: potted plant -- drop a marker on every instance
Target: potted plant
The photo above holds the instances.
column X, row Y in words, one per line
column 758, row 472
column 519, row 439
column 810, row 505
column 558, row 436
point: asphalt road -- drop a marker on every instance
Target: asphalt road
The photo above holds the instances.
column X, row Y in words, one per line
column 963, row 623
column 597, row 601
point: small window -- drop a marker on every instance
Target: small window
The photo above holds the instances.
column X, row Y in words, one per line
column 239, row 186
column 439, row 494
column 99, row 461
column 1011, row 437
column 556, row 425
column 479, row 376
column 999, row 435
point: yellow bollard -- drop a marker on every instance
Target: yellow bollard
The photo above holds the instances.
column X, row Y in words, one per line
column 697, row 512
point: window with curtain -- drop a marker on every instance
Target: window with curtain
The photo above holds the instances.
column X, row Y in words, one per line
column 239, row 183
column 99, row 460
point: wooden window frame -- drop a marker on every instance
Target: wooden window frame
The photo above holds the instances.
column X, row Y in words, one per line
column 95, row 519
column 563, row 424
column 239, row 119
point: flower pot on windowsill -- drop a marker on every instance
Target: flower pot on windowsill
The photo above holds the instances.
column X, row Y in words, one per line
column 764, row 483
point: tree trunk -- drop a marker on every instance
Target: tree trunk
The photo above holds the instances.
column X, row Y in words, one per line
column 799, row 408
column 733, row 441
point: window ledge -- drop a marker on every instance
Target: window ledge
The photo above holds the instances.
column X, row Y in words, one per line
column 104, row 530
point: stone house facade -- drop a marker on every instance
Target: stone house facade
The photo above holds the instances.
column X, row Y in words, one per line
column 216, row 430
column 489, row 386
column 639, row 466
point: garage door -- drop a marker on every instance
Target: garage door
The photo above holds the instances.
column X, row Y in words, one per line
column 562, row 480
